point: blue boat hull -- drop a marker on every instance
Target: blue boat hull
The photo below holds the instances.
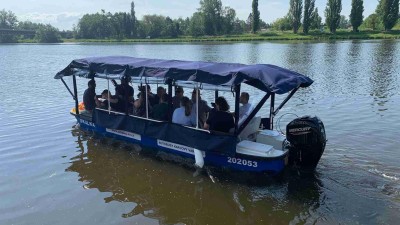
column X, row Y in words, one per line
column 238, row 162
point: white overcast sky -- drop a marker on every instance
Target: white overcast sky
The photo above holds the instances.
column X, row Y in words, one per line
column 63, row 14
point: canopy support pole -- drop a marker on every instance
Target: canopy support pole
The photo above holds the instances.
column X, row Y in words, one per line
column 65, row 84
column 216, row 95
column 271, row 112
column 169, row 82
column 108, row 95
column 254, row 112
column 76, row 96
column 197, row 106
column 237, row 101
column 146, row 102
column 284, row 101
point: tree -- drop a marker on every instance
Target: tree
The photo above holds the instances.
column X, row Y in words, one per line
column 356, row 15
column 308, row 13
column 8, row 20
column 228, row 16
column 344, row 22
column 332, row 14
column 388, row 11
column 255, row 22
column 48, row 34
column 372, row 22
column 282, row 24
column 295, row 11
column 211, row 11
column 133, row 21
column 316, row 20
column 196, row 26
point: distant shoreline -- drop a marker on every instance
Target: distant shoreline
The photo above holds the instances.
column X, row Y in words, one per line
column 266, row 36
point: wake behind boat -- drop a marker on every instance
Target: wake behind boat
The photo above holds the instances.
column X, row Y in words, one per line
column 251, row 145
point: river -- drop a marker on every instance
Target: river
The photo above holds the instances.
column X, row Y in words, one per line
column 53, row 173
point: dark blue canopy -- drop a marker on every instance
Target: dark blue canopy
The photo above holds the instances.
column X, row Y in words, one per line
column 268, row 78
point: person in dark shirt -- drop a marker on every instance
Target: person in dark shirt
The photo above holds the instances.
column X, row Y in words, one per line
column 161, row 91
column 160, row 111
column 89, row 96
column 220, row 120
column 124, row 92
column 176, row 100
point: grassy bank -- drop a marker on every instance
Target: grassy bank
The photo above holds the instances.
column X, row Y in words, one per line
column 264, row 36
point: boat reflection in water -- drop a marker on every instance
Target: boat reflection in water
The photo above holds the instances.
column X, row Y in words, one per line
column 172, row 194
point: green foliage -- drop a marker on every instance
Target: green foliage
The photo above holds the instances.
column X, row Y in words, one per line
column 372, row 22
column 356, row 15
column 255, row 25
column 388, row 12
column 133, row 22
column 295, row 12
column 211, row 11
column 48, row 34
column 282, row 24
column 316, row 20
column 196, row 27
column 332, row 14
column 8, row 20
column 344, row 22
column 309, row 6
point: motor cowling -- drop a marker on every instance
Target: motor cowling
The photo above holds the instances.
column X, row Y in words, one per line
column 306, row 140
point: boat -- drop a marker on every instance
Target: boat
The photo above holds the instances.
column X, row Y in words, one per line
column 252, row 146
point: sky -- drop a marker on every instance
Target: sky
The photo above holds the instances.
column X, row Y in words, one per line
column 64, row 14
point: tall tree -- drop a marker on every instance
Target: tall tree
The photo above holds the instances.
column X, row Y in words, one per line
column 8, row 20
column 255, row 22
column 211, row 10
column 388, row 11
column 332, row 14
column 356, row 15
column 316, row 20
column 295, row 11
column 133, row 21
column 308, row 13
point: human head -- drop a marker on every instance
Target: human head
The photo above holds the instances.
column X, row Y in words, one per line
column 105, row 94
column 125, row 80
column 179, row 91
column 185, row 102
column 92, row 83
column 244, row 98
column 194, row 95
column 163, row 98
column 160, row 91
column 222, row 104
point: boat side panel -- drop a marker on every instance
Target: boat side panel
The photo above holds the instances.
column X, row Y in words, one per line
column 238, row 162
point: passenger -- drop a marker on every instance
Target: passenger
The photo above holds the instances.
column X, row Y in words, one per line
column 176, row 100
column 150, row 95
column 139, row 106
column 204, row 109
column 161, row 91
column 119, row 104
column 220, row 120
column 125, row 93
column 246, row 108
column 103, row 101
column 89, row 96
column 160, row 111
column 182, row 114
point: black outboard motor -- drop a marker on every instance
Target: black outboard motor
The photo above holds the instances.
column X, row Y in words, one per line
column 306, row 140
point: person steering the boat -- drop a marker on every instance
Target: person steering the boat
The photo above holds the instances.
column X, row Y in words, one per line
column 220, row 120
column 89, row 97
column 246, row 108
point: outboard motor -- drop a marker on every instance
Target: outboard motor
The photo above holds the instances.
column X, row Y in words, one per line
column 306, row 140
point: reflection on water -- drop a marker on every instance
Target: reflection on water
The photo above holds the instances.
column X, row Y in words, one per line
column 169, row 194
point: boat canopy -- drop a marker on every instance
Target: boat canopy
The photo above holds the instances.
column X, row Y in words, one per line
column 268, row 78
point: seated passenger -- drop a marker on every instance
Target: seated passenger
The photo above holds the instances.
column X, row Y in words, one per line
column 89, row 96
column 246, row 108
column 103, row 101
column 139, row 106
column 204, row 109
column 176, row 100
column 120, row 104
column 160, row 111
column 221, row 120
column 182, row 114
column 161, row 91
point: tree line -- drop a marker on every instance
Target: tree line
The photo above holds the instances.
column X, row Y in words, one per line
column 210, row 19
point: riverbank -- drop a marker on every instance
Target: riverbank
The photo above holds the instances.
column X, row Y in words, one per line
column 265, row 36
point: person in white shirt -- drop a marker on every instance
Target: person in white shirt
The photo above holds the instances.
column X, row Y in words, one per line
column 246, row 108
column 182, row 115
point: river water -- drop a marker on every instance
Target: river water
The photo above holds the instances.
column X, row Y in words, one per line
column 53, row 173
